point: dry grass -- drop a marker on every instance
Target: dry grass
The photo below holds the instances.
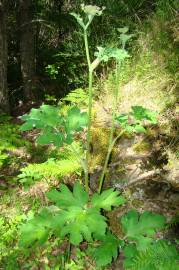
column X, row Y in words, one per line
column 149, row 82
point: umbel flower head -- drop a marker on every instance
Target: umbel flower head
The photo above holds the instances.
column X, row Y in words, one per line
column 92, row 10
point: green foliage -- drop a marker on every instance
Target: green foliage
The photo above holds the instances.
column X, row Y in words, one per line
column 141, row 228
column 160, row 255
column 36, row 231
column 107, row 250
column 50, row 169
column 3, row 158
column 10, row 137
column 52, row 71
column 74, row 215
column 133, row 122
column 77, row 97
column 104, row 54
column 56, row 129
column 142, row 251
column 10, row 140
column 140, row 113
column 44, row 117
column 9, row 228
column 28, row 176
column 107, row 199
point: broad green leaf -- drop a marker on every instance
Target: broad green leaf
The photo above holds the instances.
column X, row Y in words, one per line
column 124, row 38
column 37, row 230
column 139, row 128
column 107, row 199
column 43, row 117
column 104, row 54
column 50, row 137
column 76, row 220
column 107, row 250
column 65, row 198
column 96, row 222
column 80, row 194
column 130, row 252
column 82, row 224
column 141, row 113
column 141, row 228
column 122, row 119
column 75, row 120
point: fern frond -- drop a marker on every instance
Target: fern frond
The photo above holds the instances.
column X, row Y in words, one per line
column 53, row 168
column 160, row 256
column 77, row 97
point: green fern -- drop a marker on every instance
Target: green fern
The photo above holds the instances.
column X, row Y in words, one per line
column 77, row 97
column 50, row 169
column 10, row 137
column 64, row 163
column 161, row 255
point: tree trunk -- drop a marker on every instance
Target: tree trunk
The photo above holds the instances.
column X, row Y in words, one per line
column 27, row 47
column 4, row 101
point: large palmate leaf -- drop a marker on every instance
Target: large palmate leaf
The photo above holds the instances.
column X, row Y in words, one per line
column 51, row 137
column 76, row 219
column 36, row 230
column 76, row 120
column 104, row 54
column 74, row 215
column 141, row 228
column 65, row 198
column 55, row 129
column 45, row 116
column 107, row 199
column 107, row 250
column 83, row 224
column 133, row 121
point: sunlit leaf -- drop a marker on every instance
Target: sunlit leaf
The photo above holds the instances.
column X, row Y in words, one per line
column 141, row 113
column 107, row 199
column 141, row 228
column 104, row 54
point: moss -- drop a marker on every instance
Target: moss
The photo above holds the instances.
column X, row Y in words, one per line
column 99, row 142
column 99, row 145
column 142, row 146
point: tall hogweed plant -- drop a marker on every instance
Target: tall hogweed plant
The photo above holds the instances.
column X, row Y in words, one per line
column 75, row 214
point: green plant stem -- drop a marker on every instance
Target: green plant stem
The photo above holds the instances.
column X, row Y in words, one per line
column 111, row 136
column 90, row 92
column 101, row 180
column 87, row 48
column 89, row 129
